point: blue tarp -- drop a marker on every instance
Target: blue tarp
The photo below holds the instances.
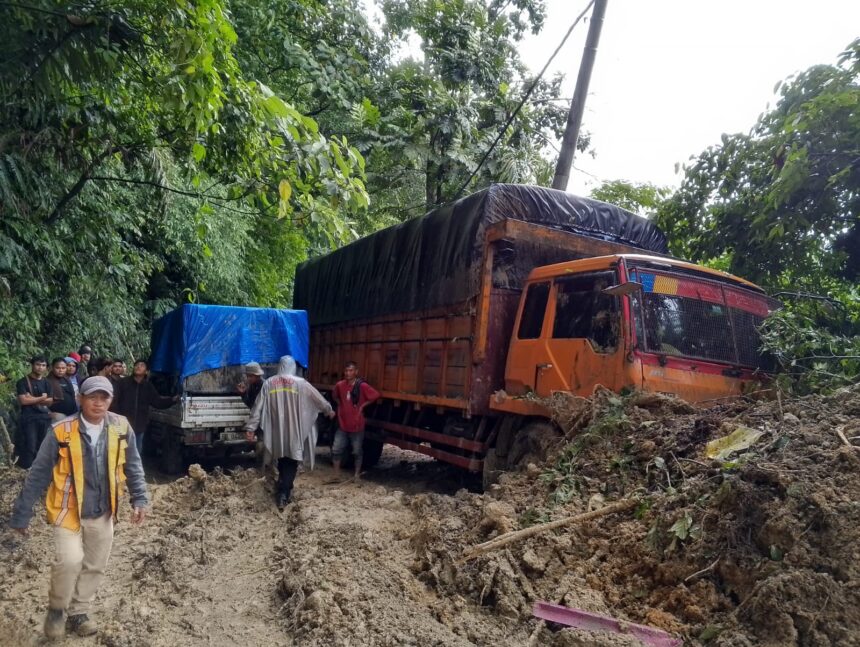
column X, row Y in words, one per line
column 196, row 338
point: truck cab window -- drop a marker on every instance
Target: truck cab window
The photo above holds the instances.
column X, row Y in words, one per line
column 534, row 308
column 583, row 311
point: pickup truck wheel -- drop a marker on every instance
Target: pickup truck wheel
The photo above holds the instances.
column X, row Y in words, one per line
column 172, row 459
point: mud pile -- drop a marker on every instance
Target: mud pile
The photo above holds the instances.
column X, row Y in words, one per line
column 191, row 573
column 757, row 547
column 347, row 577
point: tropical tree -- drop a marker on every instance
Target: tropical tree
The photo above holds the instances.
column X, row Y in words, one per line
column 138, row 162
column 644, row 199
column 781, row 204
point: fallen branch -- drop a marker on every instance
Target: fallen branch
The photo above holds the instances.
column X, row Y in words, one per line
column 842, row 437
column 516, row 535
column 6, row 442
column 707, row 569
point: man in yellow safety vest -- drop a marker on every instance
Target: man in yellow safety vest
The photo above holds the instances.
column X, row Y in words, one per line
column 86, row 461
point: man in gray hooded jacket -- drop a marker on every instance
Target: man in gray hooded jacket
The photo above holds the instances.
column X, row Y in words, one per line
column 286, row 410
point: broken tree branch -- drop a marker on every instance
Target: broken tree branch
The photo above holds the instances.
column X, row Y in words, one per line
column 516, row 535
column 707, row 569
column 842, row 437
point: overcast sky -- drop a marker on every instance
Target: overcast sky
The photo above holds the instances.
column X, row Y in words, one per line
column 672, row 75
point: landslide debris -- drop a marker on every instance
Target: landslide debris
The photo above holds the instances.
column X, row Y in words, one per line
column 760, row 547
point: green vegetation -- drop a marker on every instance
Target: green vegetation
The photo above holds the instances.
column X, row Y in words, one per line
column 155, row 152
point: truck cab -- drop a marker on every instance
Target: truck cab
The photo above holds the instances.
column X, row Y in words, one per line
column 629, row 321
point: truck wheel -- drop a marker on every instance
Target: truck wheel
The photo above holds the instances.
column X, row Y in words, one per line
column 372, row 451
column 532, row 444
column 172, row 460
column 493, row 467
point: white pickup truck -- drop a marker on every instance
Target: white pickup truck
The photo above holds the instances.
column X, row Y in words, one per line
column 199, row 352
column 212, row 423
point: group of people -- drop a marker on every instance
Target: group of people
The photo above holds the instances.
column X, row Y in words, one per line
column 49, row 394
column 283, row 411
column 88, row 457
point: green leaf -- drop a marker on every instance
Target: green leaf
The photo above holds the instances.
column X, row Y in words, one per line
column 198, row 151
column 681, row 528
column 276, row 107
column 285, row 190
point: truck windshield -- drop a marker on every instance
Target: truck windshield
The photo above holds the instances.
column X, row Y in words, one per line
column 687, row 317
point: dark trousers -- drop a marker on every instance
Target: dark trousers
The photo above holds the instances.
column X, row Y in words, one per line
column 287, row 468
column 31, row 433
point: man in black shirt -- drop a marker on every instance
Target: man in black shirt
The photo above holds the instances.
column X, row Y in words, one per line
column 62, row 391
column 134, row 395
column 34, row 396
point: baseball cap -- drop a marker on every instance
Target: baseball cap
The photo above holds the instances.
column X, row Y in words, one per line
column 75, row 357
column 96, row 383
column 83, row 350
column 253, row 368
column 70, row 360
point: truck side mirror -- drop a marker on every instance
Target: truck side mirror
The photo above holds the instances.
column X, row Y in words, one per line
column 623, row 289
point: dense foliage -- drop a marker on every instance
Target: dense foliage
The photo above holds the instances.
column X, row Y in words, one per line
column 155, row 152
column 781, row 206
column 140, row 165
column 816, row 345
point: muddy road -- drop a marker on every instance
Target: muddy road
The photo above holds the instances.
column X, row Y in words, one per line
column 756, row 548
column 217, row 564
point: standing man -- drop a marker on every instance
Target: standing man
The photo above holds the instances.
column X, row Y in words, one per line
column 81, row 462
column 85, row 355
column 250, row 388
column 133, row 397
column 34, row 396
column 99, row 366
column 117, row 370
column 286, row 410
column 351, row 395
column 62, row 391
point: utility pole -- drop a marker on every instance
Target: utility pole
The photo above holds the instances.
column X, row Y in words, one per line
column 577, row 105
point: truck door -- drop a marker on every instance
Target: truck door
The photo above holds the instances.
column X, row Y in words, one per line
column 528, row 347
column 584, row 342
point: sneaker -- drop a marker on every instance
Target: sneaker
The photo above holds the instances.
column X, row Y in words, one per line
column 283, row 500
column 54, row 625
column 81, row 625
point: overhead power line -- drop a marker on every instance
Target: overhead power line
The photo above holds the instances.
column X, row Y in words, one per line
column 525, row 98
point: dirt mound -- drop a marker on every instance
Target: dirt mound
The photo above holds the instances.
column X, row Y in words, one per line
column 758, row 547
column 348, row 577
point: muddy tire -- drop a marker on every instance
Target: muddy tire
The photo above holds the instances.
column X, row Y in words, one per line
column 532, row 444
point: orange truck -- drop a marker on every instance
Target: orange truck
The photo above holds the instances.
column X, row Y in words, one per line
column 520, row 291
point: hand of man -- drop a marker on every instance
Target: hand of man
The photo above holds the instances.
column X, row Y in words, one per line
column 138, row 516
column 331, row 414
column 241, row 387
column 249, row 436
